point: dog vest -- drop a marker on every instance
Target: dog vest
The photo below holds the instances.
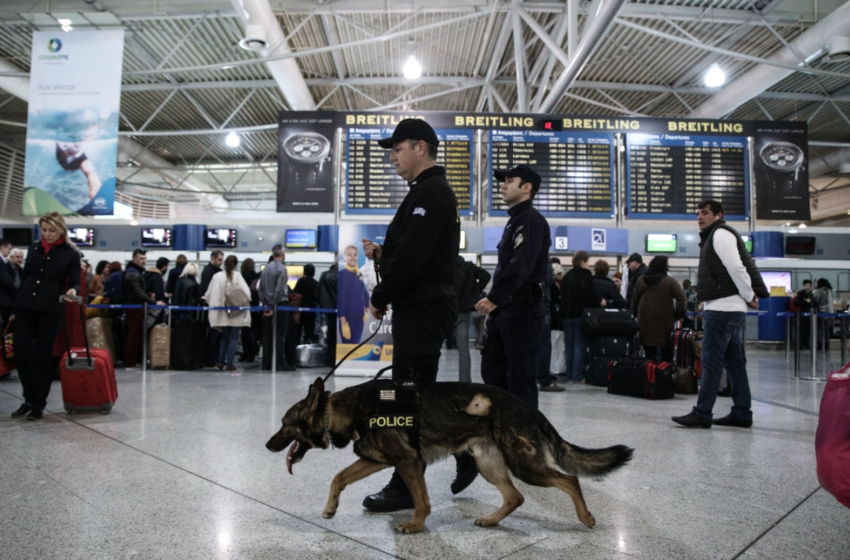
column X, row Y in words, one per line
column 396, row 410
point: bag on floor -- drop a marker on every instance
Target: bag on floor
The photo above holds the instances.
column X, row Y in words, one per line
column 832, row 441
column 188, row 344
column 683, row 348
column 87, row 376
column 99, row 331
column 600, row 321
column 558, row 359
column 601, row 352
column 644, row 379
column 311, row 355
column 159, row 346
column 685, row 382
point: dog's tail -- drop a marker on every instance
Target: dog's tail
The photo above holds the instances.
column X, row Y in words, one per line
column 578, row 461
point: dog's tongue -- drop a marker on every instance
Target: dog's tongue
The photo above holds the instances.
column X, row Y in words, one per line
column 289, row 456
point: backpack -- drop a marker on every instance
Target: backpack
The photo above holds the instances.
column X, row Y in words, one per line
column 235, row 297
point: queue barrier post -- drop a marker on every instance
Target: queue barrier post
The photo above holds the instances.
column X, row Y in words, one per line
column 814, row 349
column 843, row 319
column 797, row 346
column 274, row 339
column 787, row 337
column 145, row 337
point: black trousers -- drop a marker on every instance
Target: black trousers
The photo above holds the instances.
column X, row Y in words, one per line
column 509, row 359
column 35, row 335
column 330, row 340
column 307, row 328
column 418, row 335
column 282, row 321
column 651, row 353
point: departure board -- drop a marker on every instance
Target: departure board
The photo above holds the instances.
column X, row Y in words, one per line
column 576, row 170
column 669, row 175
column 372, row 186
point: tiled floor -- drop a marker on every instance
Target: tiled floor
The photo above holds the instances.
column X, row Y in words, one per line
column 179, row 470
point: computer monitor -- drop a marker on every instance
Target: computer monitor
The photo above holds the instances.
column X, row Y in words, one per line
column 799, row 245
column 156, row 237
column 300, row 239
column 18, row 237
column 220, row 238
column 774, row 278
column 81, row 237
column 661, row 243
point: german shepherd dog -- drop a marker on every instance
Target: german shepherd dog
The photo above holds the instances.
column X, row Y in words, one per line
column 504, row 434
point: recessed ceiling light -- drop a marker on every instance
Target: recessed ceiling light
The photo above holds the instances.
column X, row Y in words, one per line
column 411, row 69
column 715, row 77
column 232, row 140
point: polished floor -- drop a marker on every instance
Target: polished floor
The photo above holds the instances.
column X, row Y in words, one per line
column 179, row 470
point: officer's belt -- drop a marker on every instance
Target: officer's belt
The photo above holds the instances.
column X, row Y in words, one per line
column 396, row 410
column 528, row 294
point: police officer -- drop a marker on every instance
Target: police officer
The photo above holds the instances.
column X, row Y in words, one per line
column 515, row 303
column 416, row 269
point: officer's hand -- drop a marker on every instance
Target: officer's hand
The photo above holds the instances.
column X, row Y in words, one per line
column 604, row 303
column 372, row 249
column 377, row 313
column 485, row 306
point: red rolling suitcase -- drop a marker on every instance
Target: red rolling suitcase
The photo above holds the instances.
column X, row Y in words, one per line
column 88, row 379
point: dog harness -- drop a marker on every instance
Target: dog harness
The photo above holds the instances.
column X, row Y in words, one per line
column 396, row 409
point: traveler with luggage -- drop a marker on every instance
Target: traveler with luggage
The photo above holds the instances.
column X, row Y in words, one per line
column 652, row 304
column 823, row 300
column 578, row 293
column 228, row 289
column 253, row 334
column 274, row 292
column 52, row 269
column 135, row 292
column 606, row 287
column 308, row 287
column 188, row 331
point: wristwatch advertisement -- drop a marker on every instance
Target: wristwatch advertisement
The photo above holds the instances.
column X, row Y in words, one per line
column 781, row 175
column 305, row 165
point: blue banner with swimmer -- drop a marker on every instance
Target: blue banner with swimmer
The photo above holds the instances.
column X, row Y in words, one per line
column 355, row 324
column 72, row 124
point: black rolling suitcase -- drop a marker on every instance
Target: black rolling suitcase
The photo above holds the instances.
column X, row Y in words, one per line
column 188, row 343
column 600, row 352
column 644, row 379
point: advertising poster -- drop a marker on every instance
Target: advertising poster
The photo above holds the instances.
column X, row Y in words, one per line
column 305, row 180
column 781, row 172
column 72, row 123
column 355, row 324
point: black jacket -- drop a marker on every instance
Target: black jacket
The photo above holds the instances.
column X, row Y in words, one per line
column 7, row 285
column 186, row 292
column 135, row 290
column 249, row 278
column 470, row 281
column 328, row 286
column 206, row 276
column 173, row 277
column 578, row 293
column 418, row 256
column 634, row 276
column 308, row 287
column 155, row 284
column 46, row 277
column 608, row 290
column 713, row 280
column 523, row 253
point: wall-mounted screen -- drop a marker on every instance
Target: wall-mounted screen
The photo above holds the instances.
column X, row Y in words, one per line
column 82, row 237
column 300, row 239
column 661, row 243
column 776, row 278
column 221, row 238
column 462, row 240
column 156, row 237
column 799, row 245
column 18, row 237
column 748, row 243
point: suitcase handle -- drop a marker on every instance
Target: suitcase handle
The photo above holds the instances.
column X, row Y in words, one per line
column 79, row 301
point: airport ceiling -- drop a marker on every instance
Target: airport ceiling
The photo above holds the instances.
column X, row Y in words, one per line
column 186, row 79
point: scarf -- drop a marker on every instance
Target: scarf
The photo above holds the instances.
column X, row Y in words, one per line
column 48, row 246
column 353, row 269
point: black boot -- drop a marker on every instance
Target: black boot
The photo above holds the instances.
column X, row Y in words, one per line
column 467, row 470
column 394, row 497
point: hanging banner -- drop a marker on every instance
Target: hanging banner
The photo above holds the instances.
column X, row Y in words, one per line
column 355, row 324
column 72, row 123
column 780, row 167
column 305, row 181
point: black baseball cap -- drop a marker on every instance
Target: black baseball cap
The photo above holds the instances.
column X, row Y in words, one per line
column 411, row 129
column 524, row 172
column 635, row 257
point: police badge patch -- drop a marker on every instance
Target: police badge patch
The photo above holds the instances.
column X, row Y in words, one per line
column 518, row 240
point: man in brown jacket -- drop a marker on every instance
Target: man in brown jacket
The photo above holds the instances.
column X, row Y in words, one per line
column 652, row 304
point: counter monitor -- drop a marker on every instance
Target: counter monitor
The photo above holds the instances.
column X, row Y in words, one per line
column 156, row 237
column 220, row 238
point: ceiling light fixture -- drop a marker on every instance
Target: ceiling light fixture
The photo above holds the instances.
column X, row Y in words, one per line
column 715, row 77
column 411, row 69
column 232, row 140
column 802, row 226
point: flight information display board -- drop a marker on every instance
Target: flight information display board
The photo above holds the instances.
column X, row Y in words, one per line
column 372, row 186
column 669, row 175
column 576, row 168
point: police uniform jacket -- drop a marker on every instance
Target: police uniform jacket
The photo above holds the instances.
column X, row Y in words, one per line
column 45, row 277
column 523, row 253
column 418, row 256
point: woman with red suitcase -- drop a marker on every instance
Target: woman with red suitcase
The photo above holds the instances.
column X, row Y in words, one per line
column 52, row 269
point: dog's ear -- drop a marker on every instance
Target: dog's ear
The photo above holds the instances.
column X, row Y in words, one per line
column 316, row 390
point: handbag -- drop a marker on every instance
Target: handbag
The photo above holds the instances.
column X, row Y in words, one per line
column 7, row 362
column 832, row 440
column 600, row 321
column 685, row 382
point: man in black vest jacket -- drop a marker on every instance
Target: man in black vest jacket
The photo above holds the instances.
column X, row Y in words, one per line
column 728, row 283
column 416, row 269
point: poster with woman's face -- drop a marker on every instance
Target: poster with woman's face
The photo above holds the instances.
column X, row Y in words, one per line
column 355, row 324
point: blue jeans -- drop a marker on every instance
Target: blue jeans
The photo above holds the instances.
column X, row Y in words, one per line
column 227, row 346
column 575, row 348
column 723, row 347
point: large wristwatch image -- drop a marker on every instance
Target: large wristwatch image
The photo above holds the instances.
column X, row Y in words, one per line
column 307, row 153
column 783, row 160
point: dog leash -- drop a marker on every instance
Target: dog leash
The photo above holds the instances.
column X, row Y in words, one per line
column 353, row 350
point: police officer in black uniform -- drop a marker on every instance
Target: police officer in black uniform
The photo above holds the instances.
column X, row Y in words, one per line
column 515, row 303
column 416, row 269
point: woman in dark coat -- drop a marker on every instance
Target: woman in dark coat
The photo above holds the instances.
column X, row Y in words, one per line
column 52, row 269
column 652, row 303
column 577, row 294
column 187, row 292
column 251, row 335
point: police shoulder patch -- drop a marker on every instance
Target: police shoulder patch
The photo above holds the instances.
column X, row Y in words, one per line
column 518, row 240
